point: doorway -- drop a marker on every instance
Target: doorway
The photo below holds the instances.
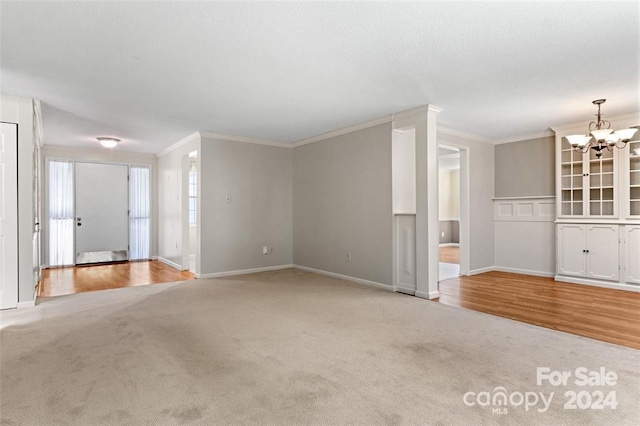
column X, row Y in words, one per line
column 102, row 213
column 452, row 211
column 97, row 218
column 449, row 212
column 190, row 209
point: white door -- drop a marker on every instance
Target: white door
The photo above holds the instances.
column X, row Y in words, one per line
column 8, row 216
column 632, row 251
column 571, row 250
column 603, row 257
column 102, row 213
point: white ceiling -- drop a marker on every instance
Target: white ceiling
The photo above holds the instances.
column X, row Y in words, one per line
column 151, row 73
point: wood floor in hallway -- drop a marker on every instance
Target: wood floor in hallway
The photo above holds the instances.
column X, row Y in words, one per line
column 599, row 313
column 79, row 279
column 450, row 255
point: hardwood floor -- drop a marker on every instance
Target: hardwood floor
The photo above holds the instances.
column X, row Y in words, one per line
column 609, row 315
column 450, row 255
column 61, row 281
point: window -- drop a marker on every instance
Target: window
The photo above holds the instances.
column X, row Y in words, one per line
column 139, row 213
column 193, row 191
column 61, row 213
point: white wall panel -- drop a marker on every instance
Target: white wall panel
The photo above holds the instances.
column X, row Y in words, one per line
column 525, row 237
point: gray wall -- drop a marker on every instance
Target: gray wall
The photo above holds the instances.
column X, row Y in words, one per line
column 343, row 203
column 449, row 231
column 259, row 180
column 525, row 168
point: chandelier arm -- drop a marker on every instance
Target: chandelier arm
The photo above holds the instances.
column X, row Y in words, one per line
column 620, row 146
column 583, row 150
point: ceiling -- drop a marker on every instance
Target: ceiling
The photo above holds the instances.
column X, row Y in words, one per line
column 152, row 73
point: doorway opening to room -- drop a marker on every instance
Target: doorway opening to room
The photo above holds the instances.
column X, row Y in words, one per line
column 452, row 211
column 190, row 210
column 98, row 227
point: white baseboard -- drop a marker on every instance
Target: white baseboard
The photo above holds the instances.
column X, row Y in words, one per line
column 596, row 283
column 243, row 271
column 345, row 277
column 524, row 271
column 29, row 304
column 425, row 295
column 512, row 270
column 482, row 270
column 405, row 290
column 450, row 245
column 170, row 263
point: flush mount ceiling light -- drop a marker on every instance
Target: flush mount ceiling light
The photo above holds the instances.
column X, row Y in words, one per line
column 603, row 135
column 108, row 142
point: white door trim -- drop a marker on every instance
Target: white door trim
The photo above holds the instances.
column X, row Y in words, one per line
column 9, row 216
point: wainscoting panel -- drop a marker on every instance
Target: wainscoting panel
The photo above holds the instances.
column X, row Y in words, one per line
column 406, row 254
column 525, row 235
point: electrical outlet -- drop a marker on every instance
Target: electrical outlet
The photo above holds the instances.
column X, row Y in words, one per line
column 442, row 235
column 265, row 249
column 348, row 256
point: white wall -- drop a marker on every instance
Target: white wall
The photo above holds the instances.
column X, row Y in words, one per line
column 170, row 200
column 481, row 187
column 114, row 156
column 342, row 194
column 403, row 145
column 19, row 110
column 449, row 194
column 525, row 235
column 258, row 178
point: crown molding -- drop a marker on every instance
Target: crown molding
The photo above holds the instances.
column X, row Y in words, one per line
column 464, row 135
column 631, row 115
column 520, row 138
column 422, row 109
column 243, row 139
column 181, row 142
column 50, row 149
column 343, row 131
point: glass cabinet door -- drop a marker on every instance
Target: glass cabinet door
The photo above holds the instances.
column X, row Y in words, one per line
column 572, row 180
column 634, row 177
column 601, row 183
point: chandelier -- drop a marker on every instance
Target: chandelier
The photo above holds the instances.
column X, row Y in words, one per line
column 602, row 134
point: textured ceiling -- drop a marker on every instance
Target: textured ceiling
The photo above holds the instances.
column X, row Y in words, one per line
column 152, row 73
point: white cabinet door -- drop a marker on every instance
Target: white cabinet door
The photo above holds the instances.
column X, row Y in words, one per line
column 632, row 254
column 8, row 216
column 571, row 250
column 603, row 257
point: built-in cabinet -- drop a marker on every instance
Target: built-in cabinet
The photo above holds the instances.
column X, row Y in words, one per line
column 589, row 251
column 631, row 240
column 598, row 211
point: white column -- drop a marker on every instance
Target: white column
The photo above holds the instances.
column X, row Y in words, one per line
column 427, row 206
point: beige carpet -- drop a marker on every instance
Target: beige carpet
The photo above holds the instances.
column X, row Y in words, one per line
column 286, row 347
